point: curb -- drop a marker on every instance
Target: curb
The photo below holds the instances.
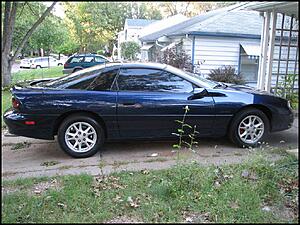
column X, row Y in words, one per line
column 293, row 152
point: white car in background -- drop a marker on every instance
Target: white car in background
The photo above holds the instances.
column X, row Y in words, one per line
column 61, row 58
column 40, row 62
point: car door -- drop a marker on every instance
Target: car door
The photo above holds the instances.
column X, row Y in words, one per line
column 75, row 62
column 150, row 100
column 88, row 61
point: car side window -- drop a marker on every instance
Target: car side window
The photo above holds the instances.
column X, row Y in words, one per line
column 99, row 59
column 104, row 81
column 89, row 59
column 76, row 59
column 135, row 79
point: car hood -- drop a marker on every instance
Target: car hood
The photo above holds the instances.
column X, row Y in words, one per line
column 247, row 89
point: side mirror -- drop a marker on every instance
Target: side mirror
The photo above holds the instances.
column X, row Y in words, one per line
column 198, row 93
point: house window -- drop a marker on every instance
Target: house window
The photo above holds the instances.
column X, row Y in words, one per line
column 249, row 62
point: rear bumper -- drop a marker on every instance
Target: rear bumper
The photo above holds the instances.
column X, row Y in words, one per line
column 67, row 71
column 43, row 129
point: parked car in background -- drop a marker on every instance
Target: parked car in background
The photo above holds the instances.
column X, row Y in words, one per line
column 40, row 62
column 81, row 61
column 60, row 57
column 123, row 101
column 26, row 63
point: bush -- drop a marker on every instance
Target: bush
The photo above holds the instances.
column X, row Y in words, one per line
column 226, row 74
column 177, row 57
column 130, row 49
column 285, row 89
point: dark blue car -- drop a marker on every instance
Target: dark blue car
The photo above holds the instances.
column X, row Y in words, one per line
column 140, row 101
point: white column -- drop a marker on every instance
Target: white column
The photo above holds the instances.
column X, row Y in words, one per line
column 261, row 49
column 270, row 52
column 264, row 52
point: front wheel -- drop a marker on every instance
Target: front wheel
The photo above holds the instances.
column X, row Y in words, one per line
column 249, row 127
column 80, row 136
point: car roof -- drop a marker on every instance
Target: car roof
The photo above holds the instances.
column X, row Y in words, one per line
column 148, row 65
column 87, row 54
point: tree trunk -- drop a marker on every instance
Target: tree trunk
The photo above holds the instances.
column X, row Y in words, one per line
column 9, row 24
column 6, row 70
column 7, row 34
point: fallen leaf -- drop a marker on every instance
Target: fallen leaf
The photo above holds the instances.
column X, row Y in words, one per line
column 266, row 208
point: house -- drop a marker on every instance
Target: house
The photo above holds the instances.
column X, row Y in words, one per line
column 279, row 44
column 131, row 31
column 226, row 36
column 152, row 30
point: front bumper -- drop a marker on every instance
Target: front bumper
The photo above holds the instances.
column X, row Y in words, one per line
column 15, row 122
column 282, row 122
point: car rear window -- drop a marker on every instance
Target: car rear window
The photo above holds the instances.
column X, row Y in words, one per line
column 71, row 79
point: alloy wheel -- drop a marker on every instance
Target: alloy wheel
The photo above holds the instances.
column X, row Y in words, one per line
column 251, row 129
column 80, row 137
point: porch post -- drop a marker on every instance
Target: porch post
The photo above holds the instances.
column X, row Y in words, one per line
column 270, row 52
column 264, row 52
column 262, row 37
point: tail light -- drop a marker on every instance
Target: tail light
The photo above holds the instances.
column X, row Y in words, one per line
column 65, row 65
column 15, row 103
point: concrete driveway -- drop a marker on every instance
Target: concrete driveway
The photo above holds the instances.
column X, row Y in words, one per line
column 26, row 157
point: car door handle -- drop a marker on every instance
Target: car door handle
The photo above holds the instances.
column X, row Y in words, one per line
column 130, row 105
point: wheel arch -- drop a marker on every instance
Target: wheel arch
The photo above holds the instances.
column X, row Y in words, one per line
column 262, row 108
column 62, row 117
column 77, row 68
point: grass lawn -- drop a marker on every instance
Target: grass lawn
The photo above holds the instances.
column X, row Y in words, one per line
column 255, row 191
column 29, row 74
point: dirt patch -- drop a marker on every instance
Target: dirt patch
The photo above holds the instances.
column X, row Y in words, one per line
column 125, row 219
column 197, row 217
column 8, row 190
column 41, row 187
column 37, row 189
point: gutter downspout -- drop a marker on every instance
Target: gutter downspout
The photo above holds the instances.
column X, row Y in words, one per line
column 193, row 54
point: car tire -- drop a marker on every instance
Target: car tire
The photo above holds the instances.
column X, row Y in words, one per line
column 246, row 133
column 74, row 141
column 59, row 64
column 38, row 67
column 75, row 70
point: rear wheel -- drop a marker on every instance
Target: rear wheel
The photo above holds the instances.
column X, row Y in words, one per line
column 249, row 127
column 38, row 67
column 75, row 70
column 80, row 136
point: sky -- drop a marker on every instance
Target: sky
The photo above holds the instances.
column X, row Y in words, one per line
column 58, row 9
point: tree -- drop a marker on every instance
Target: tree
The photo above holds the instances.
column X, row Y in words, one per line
column 8, row 58
column 130, row 49
column 97, row 24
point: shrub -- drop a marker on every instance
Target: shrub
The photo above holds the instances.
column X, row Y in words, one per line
column 285, row 89
column 226, row 74
column 130, row 49
column 176, row 57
